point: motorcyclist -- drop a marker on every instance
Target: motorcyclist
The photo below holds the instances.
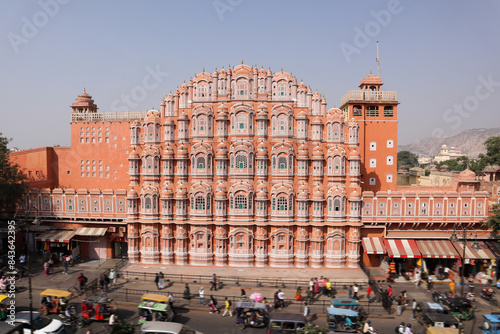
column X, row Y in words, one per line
column 367, row 328
column 70, row 313
column 408, row 329
column 400, row 329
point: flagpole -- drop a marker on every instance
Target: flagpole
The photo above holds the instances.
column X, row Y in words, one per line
column 378, row 63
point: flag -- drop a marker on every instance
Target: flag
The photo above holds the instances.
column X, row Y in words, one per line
column 419, row 262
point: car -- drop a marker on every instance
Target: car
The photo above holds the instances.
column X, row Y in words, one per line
column 41, row 325
column 285, row 323
column 160, row 327
column 437, row 315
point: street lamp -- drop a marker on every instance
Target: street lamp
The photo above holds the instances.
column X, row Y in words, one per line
column 475, row 245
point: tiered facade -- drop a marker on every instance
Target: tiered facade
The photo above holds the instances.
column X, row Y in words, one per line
column 241, row 167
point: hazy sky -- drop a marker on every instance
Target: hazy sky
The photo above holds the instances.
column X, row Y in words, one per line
column 443, row 57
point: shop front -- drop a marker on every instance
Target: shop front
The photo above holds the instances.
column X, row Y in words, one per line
column 56, row 244
column 94, row 242
column 375, row 251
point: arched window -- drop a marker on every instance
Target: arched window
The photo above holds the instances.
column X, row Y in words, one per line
column 336, row 205
column 282, row 204
column 282, row 162
column 202, row 92
column 242, row 123
column 147, row 203
column 200, row 162
column 200, row 202
column 241, row 202
column 242, row 89
column 241, row 161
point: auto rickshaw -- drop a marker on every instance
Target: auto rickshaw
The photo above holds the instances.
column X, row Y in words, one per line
column 461, row 308
column 251, row 314
column 155, row 307
column 53, row 301
column 491, row 324
column 442, row 330
column 350, row 304
column 3, row 307
column 344, row 320
column 97, row 307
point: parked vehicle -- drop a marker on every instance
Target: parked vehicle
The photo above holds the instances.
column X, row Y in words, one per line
column 284, row 323
column 251, row 314
column 40, row 324
column 351, row 304
column 155, row 307
column 436, row 315
column 491, row 323
column 489, row 294
column 98, row 307
column 461, row 308
column 344, row 320
column 156, row 327
column 53, row 301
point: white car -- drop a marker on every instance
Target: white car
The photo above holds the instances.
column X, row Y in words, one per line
column 160, row 327
column 40, row 325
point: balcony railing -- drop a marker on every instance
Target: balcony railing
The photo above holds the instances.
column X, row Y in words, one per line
column 108, row 117
column 368, row 95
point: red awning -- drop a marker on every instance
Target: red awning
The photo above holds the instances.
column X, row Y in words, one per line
column 470, row 253
column 405, row 248
column 56, row 236
column 437, row 249
column 374, row 246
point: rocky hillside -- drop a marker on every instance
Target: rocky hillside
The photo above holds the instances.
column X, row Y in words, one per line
column 470, row 142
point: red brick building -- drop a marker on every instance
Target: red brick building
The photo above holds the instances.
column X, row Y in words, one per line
column 240, row 167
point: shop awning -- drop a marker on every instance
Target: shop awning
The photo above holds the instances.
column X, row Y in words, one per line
column 405, row 248
column 374, row 246
column 437, row 249
column 91, row 231
column 482, row 253
column 494, row 248
column 56, row 236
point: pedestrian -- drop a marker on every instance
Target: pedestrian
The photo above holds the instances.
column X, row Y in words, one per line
column 157, row 281
column 82, row 280
column 112, row 276
column 328, row 287
column 65, row 264
column 51, row 265
column 161, row 281
column 101, row 283
column 399, row 305
column 113, row 319
column 171, row 302
column 414, row 308
column 306, row 311
column 46, row 268
column 214, row 283
column 213, row 305
column 316, row 286
column 403, row 298
column 355, row 290
column 311, row 285
column 243, row 294
column 298, row 294
column 389, row 291
column 321, row 286
column 349, row 292
column 228, row 308
column 452, row 287
column 369, row 293
column 187, row 292
column 281, row 298
column 276, row 301
column 201, row 294
column 106, row 282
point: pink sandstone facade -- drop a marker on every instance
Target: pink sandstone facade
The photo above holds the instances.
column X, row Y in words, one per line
column 240, row 167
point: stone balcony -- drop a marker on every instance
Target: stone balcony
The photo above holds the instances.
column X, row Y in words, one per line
column 368, row 95
column 107, row 116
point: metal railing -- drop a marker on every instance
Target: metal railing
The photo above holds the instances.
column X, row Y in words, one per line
column 108, row 116
column 369, row 95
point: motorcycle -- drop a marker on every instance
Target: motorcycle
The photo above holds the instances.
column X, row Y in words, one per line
column 470, row 297
column 489, row 295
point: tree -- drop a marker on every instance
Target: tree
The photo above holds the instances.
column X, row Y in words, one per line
column 12, row 181
column 459, row 164
column 492, row 155
column 312, row 329
column 122, row 328
column 407, row 158
column 493, row 220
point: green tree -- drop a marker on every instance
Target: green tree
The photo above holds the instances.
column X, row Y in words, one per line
column 491, row 157
column 493, row 220
column 312, row 329
column 122, row 328
column 459, row 164
column 407, row 158
column 12, row 181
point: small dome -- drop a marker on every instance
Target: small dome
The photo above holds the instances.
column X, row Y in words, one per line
column 134, row 155
column 222, row 146
column 181, row 190
column 132, row 193
column 318, row 192
column 167, row 192
column 371, row 79
column 318, row 152
column 221, row 187
column 168, row 150
column 262, row 107
column 182, row 150
column 302, row 85
column 262, row 72
column 184, row 86
column 354, row 195
column 317, row 121
column 304, row 188
column 183, row 116
column 168, row 121
column 354, row 155
column 262, row 187
column 302, row 115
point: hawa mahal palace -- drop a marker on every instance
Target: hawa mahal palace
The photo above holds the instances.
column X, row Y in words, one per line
column 241, row 167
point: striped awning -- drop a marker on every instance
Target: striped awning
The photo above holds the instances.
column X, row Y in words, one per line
column 494, row 248
column 374, row 246
column 437, row 249
column 398, row 248
column 470, row 253
column 56, row 236
column 91, row 231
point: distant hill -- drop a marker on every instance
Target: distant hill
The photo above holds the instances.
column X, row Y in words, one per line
column 470, row 142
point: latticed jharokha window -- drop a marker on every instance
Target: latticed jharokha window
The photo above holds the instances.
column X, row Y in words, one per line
column 241, row 161
column 241, row 202
column 200, row 162
column 200, row 203
column 282, row 162
column 282, row 204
